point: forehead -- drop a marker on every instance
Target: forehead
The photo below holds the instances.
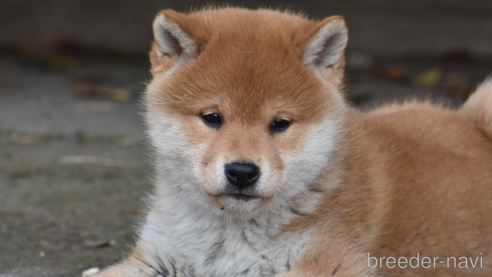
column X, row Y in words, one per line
column 248, row 72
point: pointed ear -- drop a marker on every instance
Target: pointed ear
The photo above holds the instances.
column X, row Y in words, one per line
column 326, row 48
column 172, row 41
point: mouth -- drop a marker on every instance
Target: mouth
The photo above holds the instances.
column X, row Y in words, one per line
column 243, row 197
column 241, row 201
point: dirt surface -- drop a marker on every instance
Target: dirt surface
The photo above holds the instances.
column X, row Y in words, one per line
column 74, row 162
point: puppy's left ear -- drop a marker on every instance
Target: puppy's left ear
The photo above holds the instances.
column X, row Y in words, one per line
column 326, row 48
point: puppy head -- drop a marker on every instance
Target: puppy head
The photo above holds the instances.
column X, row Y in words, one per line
column 245, row 107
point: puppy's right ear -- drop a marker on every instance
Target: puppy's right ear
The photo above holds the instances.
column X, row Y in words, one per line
column 171, row 43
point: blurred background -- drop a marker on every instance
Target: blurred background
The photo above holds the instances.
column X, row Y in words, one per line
column 74, row 166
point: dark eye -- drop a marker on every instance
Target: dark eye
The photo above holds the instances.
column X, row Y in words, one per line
column 212, row 120
column 279, row 125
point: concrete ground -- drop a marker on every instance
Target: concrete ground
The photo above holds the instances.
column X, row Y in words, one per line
column 74, row 162
column 73, row 171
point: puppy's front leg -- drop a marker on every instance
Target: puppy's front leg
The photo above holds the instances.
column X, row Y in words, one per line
column 134, row 265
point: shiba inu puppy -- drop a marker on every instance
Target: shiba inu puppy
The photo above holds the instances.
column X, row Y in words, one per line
column 264, row 170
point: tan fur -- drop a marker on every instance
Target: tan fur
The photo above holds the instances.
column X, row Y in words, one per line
column 479, row 106
column 417, row 178
column 404, row 178
column 252, row 50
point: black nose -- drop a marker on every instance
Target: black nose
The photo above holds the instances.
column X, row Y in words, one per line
column 242, row 175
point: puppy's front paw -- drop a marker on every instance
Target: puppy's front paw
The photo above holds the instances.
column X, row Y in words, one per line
column 91, row 272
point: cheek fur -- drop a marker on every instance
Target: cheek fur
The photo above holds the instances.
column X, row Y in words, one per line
column 308, row 153
column 293, row 139
column 208, row 160
column 179, row 150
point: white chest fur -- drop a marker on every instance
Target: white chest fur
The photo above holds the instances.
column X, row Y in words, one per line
column 203, row 240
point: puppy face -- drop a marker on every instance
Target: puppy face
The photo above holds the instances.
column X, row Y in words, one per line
column 245, row 118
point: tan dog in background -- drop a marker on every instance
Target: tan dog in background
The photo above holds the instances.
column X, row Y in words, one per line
column 264, row 170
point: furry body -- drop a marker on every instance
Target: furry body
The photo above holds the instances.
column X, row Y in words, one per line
column 336, row 185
